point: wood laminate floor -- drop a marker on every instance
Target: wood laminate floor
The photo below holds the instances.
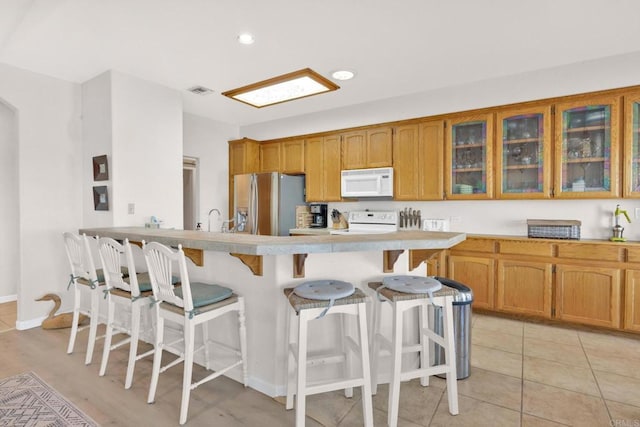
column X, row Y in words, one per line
column 523, row 374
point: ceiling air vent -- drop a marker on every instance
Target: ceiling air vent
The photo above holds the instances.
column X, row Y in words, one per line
column 200, row 90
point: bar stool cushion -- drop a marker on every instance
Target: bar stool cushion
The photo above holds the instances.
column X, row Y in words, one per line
column 124, row 270
column 324, row 289
column 144, row 281
column 299, row 303
column 412, row 284
column 392, row 295
column 100, row 276
column 205, row 294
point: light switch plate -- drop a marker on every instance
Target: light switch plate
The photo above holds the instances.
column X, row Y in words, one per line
column 637, row 213
column 132, row 208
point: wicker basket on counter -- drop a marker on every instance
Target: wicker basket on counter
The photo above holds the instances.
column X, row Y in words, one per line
column 554, row 229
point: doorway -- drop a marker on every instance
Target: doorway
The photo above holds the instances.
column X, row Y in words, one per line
column 189, row 192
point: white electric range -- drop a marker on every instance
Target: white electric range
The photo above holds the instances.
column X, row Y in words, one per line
column 370, row 222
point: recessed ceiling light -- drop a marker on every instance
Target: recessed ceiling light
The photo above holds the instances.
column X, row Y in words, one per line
column 246, row 38
column 343, row 75
column 287, row 87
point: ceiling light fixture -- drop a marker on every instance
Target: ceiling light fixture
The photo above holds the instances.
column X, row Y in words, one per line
column 246, row 38
column 287, row 87
column 343, row 74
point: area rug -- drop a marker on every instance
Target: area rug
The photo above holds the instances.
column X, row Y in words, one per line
column 26, row 400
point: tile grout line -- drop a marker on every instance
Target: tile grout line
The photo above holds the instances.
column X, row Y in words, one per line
column 438, row 406
column 595, row 379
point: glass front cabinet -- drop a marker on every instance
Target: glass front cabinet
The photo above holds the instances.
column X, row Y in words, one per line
column 523, row 153
column 587, row 145
column 632, row 145
column 469, row 158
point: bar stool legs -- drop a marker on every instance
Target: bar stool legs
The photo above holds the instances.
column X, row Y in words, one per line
column 298, row 360
column 396, row 347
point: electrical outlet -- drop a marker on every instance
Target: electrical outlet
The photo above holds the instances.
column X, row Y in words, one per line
column 132, row 208
column 455, row 219
column 637, row 213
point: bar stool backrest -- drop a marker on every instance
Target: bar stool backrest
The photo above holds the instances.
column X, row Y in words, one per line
column 160, row 262
column 112, row 256
column 80, row 259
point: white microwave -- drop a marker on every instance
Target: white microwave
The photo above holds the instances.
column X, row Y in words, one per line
column 376, row 182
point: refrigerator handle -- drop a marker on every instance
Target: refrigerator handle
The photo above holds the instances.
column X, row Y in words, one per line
column 253, row 204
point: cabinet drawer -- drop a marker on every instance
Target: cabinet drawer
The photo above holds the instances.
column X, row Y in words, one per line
column 476, row 245
column 526, row 248
column 590, row 252
column 633, row 254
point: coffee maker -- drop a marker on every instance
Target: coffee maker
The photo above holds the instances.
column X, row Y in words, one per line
column 318, row 215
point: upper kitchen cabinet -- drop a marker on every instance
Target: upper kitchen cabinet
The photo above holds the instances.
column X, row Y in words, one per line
column 292, row 156
column 270, row 156
column 244, row 156
column 523, row 153
column 418, row 160
column 632, row 145
column 468, row 162
column 370, row 148
column 587, row 146
column 323, row 169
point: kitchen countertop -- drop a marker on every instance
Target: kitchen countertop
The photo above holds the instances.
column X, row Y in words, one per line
column 283, row 245
column 310, row 231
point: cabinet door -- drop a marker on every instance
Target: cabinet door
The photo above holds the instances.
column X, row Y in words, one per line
column 469, row 156
column 379, row 148
column 354, row 150
column 632, row 145
column 589, row 295
column 523, row 153
column 314, row 181
column 431, row 160
column 331, row 164
column 406, row 162
column 524, row 287
column 292, row 157
column 476, row 273
column 586, row 152
column 632, row 300
column 244, row 156
column 270, row 157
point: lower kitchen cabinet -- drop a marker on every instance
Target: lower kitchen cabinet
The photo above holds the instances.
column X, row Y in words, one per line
column 524, row 287
column 476, row 273
column 588, row 295
column 632, row 300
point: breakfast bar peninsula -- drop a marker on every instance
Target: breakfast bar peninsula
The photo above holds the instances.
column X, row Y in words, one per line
column 259, row 267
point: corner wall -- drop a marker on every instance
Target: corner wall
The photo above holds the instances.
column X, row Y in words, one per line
column 207, row 140
column 50, row 184
column 9, row 204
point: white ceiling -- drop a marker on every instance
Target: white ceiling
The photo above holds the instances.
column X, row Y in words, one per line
column 396, row 47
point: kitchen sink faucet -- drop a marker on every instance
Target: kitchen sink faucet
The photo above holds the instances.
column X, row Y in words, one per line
column 209, row 217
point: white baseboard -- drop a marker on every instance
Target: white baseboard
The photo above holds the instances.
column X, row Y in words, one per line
column 22, row 325
column 8, row 298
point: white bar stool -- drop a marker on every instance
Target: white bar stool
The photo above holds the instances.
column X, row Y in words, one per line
column 131, row 293
column 400, row 302
column 84, row 278
column 306, row 310
column 189, row 305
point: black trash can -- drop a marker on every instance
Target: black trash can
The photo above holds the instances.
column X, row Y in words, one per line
column 461, row 326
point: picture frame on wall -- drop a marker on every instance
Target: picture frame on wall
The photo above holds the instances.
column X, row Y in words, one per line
column 100, row 198
column 100, row 168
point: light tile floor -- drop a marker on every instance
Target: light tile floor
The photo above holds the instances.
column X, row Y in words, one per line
column 523, row 374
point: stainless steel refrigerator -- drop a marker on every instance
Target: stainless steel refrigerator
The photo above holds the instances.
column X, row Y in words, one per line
column 265, row 203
